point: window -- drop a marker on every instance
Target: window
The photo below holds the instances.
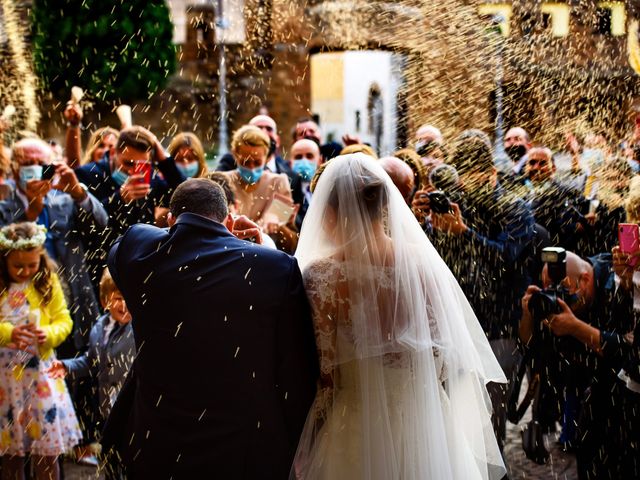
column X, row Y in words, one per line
column 232, row 29
column 500, row 11
column 611, row 18
column 556, row 17
column 376, row 115
column 603, row 21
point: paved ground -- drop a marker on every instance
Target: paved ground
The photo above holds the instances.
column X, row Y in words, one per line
column 561, row 465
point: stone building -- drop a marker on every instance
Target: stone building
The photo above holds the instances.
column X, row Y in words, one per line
column 567, row 65
column 380, row 68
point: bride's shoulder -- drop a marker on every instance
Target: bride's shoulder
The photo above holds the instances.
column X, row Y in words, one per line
column 321, row 269
column 322, row 265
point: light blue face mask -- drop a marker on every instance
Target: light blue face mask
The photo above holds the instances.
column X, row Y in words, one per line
column 29, row 172
column 305, row 168
column 189, row 170
column 250, row 176
column 119, row 177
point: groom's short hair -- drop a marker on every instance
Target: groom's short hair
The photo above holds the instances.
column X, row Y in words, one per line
column 200, row 196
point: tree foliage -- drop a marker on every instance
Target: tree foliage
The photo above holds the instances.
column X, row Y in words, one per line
column 117, row 51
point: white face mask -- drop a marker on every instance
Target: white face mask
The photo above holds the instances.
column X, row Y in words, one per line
column 29, row 172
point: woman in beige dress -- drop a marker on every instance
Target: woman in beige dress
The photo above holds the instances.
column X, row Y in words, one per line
column 256, row 189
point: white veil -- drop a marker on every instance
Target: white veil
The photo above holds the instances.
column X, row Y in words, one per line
column 403, row 358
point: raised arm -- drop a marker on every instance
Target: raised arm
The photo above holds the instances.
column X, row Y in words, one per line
column 73, row 142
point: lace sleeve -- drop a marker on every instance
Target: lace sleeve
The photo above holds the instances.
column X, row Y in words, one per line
column 437, row 350
column 320, row 284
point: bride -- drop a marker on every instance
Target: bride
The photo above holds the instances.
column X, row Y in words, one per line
column 403, row 359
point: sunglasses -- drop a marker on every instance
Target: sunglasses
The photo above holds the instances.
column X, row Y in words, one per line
column 533, row 162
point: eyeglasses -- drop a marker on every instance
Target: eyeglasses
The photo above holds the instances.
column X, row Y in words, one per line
column 533, row 162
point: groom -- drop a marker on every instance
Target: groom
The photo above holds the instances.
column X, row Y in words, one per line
column 226, row 365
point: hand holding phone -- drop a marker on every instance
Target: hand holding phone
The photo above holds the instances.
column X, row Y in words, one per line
column 144, row 168
column 629, row 238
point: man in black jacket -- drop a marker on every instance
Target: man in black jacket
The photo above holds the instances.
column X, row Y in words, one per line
column 595, row 342
column 555, row 206
column 139, row 178
column 227, row 363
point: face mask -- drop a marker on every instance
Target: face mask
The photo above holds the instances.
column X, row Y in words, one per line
column 30, row 172
column 119, row 177
column 272, row 147
column 305, row 168
column 189, row 170
column 250, row 176
column 516, row 152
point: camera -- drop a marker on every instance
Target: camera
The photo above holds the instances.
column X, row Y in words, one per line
column 545, row 302
column 438, row 202
column 48, row 172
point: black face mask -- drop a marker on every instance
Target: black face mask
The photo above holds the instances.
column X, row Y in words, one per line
column 272, row 147
column 516, row 152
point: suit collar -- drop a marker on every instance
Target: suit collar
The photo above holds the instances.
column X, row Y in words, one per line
column 198, row 221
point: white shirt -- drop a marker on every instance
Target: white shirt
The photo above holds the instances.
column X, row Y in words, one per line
column 108, row 328
column 271, row 165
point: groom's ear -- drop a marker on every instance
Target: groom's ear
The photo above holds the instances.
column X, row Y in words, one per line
column 171, row 220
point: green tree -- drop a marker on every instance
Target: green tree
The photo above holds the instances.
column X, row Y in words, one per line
column 119, row 51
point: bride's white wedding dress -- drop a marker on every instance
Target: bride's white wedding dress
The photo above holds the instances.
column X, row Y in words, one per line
column 403, row 360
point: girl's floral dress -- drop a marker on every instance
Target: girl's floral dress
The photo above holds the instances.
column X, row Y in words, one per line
column 36, row 413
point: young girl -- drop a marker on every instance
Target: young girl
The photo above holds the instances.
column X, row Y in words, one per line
column 36, row 414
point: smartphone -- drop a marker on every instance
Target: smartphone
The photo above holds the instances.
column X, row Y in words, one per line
column 48, row 171
column 143, row 167
column 629, row 238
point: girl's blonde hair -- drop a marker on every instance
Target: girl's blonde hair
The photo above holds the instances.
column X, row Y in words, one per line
column 42, row 280
column 188, row 139
column 251, row 136
column 94, row 141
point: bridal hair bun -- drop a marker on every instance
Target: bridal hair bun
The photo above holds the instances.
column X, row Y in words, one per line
column 373, row 194
column 22, row 236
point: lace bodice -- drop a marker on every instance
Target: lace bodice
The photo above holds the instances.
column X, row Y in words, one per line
column 334, row 311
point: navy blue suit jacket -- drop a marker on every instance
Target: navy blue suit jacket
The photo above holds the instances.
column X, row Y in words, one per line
column 227, row 364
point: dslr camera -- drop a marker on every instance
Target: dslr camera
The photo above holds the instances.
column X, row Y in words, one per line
column 445, row 178
column 438, row 202
column 545, row 302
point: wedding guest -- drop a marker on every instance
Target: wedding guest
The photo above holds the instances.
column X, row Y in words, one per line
column 102, row 141
column 69, row 213
column 188, row 153
column 129, row 185
column 109, row 356
column 222, row 180
column 306, row 158
column 256, row 189
column 36, row 414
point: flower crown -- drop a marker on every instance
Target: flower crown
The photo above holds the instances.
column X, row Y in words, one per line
column 30, row 243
